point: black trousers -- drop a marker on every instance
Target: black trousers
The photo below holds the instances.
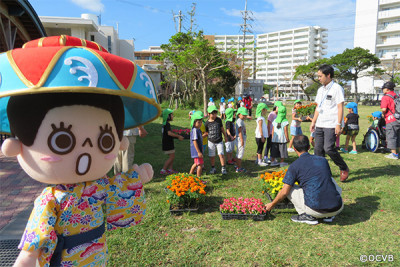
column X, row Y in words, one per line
column 325, row 139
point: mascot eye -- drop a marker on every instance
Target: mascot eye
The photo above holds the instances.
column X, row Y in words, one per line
column 61, row 140
column 106, row 141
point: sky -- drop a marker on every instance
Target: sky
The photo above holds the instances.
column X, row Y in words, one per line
column 151, row 22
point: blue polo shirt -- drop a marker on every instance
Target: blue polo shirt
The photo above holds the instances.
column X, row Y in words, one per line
column 315, row 178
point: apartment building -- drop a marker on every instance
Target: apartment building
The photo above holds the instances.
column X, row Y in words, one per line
column 88, row 27
column 273, row 57
column 377, row 28
column 146, row 56
column 279, row 53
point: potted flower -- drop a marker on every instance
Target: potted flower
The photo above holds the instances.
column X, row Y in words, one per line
column 305, row 112
column 271, row 184
column 184, row 132
column 184, row 192
column 243, row 209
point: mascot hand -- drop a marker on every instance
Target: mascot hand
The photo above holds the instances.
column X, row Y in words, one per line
column 145, row 172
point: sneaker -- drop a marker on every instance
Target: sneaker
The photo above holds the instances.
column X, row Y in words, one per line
column 353, row 152
column 283, row 164
column 171, row 171
column 164, row 172
column 267, row 160
column 275, row 163
column 242, row 170
column 223, row 170
column 328, row 219
column 230, row 162
column 262, row 164
column 305, row 218
column 213, row 171
column 344, row 150
column 392, row 156
column 290, row 149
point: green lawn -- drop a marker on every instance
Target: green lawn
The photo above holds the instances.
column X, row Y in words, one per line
column 368, row 225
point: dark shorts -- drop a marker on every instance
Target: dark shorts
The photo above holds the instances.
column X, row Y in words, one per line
column 260, row 145
column 393, row 135
column 279, row 150
column 351, row 133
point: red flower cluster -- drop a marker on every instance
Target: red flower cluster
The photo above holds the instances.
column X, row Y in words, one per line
column 181, row 131
column 243, row 206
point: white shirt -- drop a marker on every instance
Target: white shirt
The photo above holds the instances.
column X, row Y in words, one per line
column 131, row 132
column 222, row 107
column 211, row 103
column 264, row 128
column 295, row 123
column 328, row 97
column 279, row 134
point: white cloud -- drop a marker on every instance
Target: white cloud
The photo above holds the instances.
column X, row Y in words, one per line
column 337, row 16
column 91, row 5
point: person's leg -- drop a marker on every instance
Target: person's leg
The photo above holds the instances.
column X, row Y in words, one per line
column 346, row 144
column 193, row 168
column 129, row 156
column 296, row 196
column 329, row 147
column 353, row 141
column 170, row 161
column 199, row 170
column 118, row 163
column 291, row 141
column 220, row 150
column 268, row 146
column 319, row 142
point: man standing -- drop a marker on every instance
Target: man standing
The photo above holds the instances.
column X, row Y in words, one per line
column 328, row 118
column 125, row 158
column 392, row 124
column 318, row 195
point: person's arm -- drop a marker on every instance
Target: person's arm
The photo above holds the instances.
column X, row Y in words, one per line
column 27, row 258
column 171, row 133
column 261, row 131
column 281, row 196
column 269, row 127
column 314, row 120
column 340, row 118
column 286, row 133
column 196, row 146
column 142, row 131
column 294, row 117
column 241, row 136
column 225, row 136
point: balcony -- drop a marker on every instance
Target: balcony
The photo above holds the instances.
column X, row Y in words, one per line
column 389, row 28
column 387, row 2
column 387, row 14
column 388, row 42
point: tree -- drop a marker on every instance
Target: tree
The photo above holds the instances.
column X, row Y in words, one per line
column 306, row 74
column 353, row 64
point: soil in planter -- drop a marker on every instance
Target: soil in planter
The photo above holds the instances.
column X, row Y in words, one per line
column 230, row 216
column 180, row 209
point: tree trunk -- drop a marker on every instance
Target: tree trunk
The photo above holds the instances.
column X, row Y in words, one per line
column 355, row 91
column 204, row 82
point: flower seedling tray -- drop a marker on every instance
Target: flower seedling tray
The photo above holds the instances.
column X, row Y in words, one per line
column 254, row 217
column 179, row 211
column 285, row 204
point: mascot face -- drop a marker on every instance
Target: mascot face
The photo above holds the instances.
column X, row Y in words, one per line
column 74, row 144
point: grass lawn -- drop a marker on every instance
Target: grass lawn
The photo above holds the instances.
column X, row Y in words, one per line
column 368, row 225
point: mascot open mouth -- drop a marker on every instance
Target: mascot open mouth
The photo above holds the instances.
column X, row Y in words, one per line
column 83, row 163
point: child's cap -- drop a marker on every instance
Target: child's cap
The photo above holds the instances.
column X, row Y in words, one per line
column 229, row 114
column 198, row 115
column 278, row 104
column 239, row 98
column 297, row 101
column 222, row 99
column 377, row 114
column 260, row 108
column 243, row 111
column 353, row 106
column 211, row 99
column 66, row 64
column 165, row 114
column 212, row 108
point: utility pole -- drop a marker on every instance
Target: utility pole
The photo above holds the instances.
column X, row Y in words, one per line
column 245, row 29
column 180, row 20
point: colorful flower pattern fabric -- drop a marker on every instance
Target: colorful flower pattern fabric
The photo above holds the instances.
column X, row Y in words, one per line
column 77, row 208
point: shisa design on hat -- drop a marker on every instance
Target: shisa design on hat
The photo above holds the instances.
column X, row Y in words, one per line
column 60, row 64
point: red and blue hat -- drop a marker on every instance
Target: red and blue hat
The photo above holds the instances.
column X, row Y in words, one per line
column 65, row 64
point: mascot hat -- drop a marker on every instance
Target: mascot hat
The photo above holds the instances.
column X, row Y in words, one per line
column 65, row 64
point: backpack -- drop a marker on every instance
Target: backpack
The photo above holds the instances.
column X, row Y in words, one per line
column 396, row 112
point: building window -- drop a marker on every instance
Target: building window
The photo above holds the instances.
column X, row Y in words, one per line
column 109, row 44
column 92, row 37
